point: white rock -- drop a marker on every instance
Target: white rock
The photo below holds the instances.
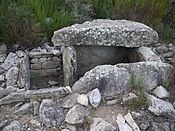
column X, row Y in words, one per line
column 82, row 99
column 160, row 107
column 99, row 124
column 161, row 92
column 129, row 97
column 131, row 122
column 122, row 125
column 95, row 97
column 120, row 119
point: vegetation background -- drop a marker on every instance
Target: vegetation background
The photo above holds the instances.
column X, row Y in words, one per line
column 27, row 22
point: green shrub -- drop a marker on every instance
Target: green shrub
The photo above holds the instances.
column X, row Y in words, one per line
column 50, row 16
column 16, row 22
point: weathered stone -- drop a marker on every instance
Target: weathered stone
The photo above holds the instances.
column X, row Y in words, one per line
column 47, row 47
column 99, row 124
column 3, row 48
column 69, row 101
column 11, row 60
column 82, row 99
column 56, row 59
column 131, row 122
column 2, row 78
column 10, row 89
column 112, row 102
column 24, row 72
column 24, row 109
column 146, row 54
column 168, row 54
column 12, row 76
column 150, row 74
column 35, row 54
column 36, row 66
column 50, row 65
column 70, row 65
column 23, row 95
column 162, row 49
column 56, row 52
column 14, row 126
column 42, row 60
column 34, row 61
column 77, row 114
column 160, row 107
column 161, row 92
column 51, row 114
column 106, row 33
column 36, row 106
column 95, row 97
column 129, row 97
column 1, row 92
column 110, row 80
column 20, row 53
column 2, row 57
column 3, row 122
column 123, row 126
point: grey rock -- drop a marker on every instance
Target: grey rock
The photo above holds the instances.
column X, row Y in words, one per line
column 56, row 59
column 160, row 107
column 42, row 60
column 82, row 99
column 146, row 54
column 112, row 102
column 23, row 95
column 24, row 72
column 150, row 74
column 51, row 114
column 36, row 106
column 2, row 57
column 47, row 47
column 105, row 32
column 69, row 101
column 101, row 125
column 95, row 97
column 3, row 48
column 10, row 89
column 13, row 126
column 70, row 65
column 3, row 122
column 168, row 55
column 2, row 78
column 34, row 61
column 35, row 54
column 11, row 60
column 12, row 76
column 77, row 114
column 129, row 97
column 110, row 80
column 24, row 109
column 50, row 65
column 20, row 54
column 1, row 92
column 166, row 126
column 52, row 83
column 36, row 66
column 161, row 92
column 56, row 52
column 162, row 49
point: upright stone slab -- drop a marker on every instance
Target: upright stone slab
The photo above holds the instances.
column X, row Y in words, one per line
column 70, row 65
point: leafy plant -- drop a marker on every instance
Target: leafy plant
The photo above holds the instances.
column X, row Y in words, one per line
column 50, row 16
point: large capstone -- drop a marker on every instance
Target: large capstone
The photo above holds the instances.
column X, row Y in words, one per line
column 106, row 33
